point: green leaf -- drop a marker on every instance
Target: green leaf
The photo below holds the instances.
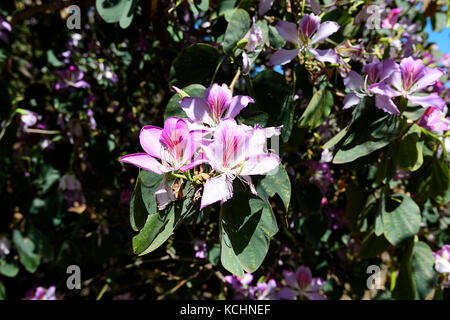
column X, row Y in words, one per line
column 371, row 130
column 273, row 96
column 439, row 21
column 173, row 108
column 335, row 140
column 276, row 183
column 194, row 64
column 2, row 291
column 160, row 226
column 246, row 227
column 318, row 109
column 287, row 117
column 372, row 246
column 53, row 60
column 238, row 26
column 401, row 218
column 25, row 248
column 423, row 273
column 408, row 150
column 259, row 117
column 275, row 39
column 113, row 11
column 355, row 204
column 404, row 285
column 8, row 269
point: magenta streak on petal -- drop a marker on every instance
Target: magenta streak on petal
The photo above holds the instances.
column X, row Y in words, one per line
column 411, row 71
column 218, row 98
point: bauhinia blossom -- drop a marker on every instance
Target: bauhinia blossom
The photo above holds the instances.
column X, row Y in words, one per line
column 442, row 262
column 301, row 284
column 391, row 19
column 174, row 146
column 71, row 77
column 376, row 72
column 235, row 151
column 309, row 34
column 254, row 37
column 409, row 80
column 434, row 120
column 217, row 103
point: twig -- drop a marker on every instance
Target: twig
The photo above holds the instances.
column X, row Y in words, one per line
column 31, row 130
column 236, row 77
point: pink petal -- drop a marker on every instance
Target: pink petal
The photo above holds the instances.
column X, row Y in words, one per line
column 288, row 31
column 164, row 194
column 149, row 138
column 351, row 100
column 354, row 81
column 327, row 55
column 283, row 56
column 325, row 30
column 385, row 103
column 261, row 164
column 308, row 25
column 431, row 100
column 144, row 161
column 428, row 78
column 216, row 189
column 237, row 104
column 196, row 109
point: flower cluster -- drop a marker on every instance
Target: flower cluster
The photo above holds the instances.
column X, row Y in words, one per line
column 387, row 80
column 210, row 135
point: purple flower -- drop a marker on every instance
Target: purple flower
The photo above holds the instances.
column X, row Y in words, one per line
column 266, row 290
column 40, row 293
column 445, row 60
column 174, row 146
column 239, row 283
column 71, row 77
column 217, row 103
column 105, row 72
column 200, row 249
column 309, row 34
column 29, row 119
column 408, row 80
column 376, row 72
column 264, row 6
column 301, row 284
column 236, row 151
column 72, row 190
column 391, row 19
column 5, row 29
column 320, row 175
column 5, row 246
column 442, row 262
column 434, row 120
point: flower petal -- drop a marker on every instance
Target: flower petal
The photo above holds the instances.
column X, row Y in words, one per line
column 196, row 109
column 260, row 164
column 149, row 138
column 287, row 293
column 354, row 81
column 431, row 100
column 288, row 31
column 327, row 55
column 237, row 104
column 216, row 189
column 428, row 78
column 324, row 31
column 283, row 56
column 144, row 161
column 385, row 103
column 351, row 100
column 164, row 194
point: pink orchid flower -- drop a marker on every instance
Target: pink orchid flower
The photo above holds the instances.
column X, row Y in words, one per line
column 174, row 146
column 309, row 34
column 391, row 19
column 301, row 283
column 434, row 120
column 409, row 79
column 71, row 77
column 235, row 151
column 218, row 103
